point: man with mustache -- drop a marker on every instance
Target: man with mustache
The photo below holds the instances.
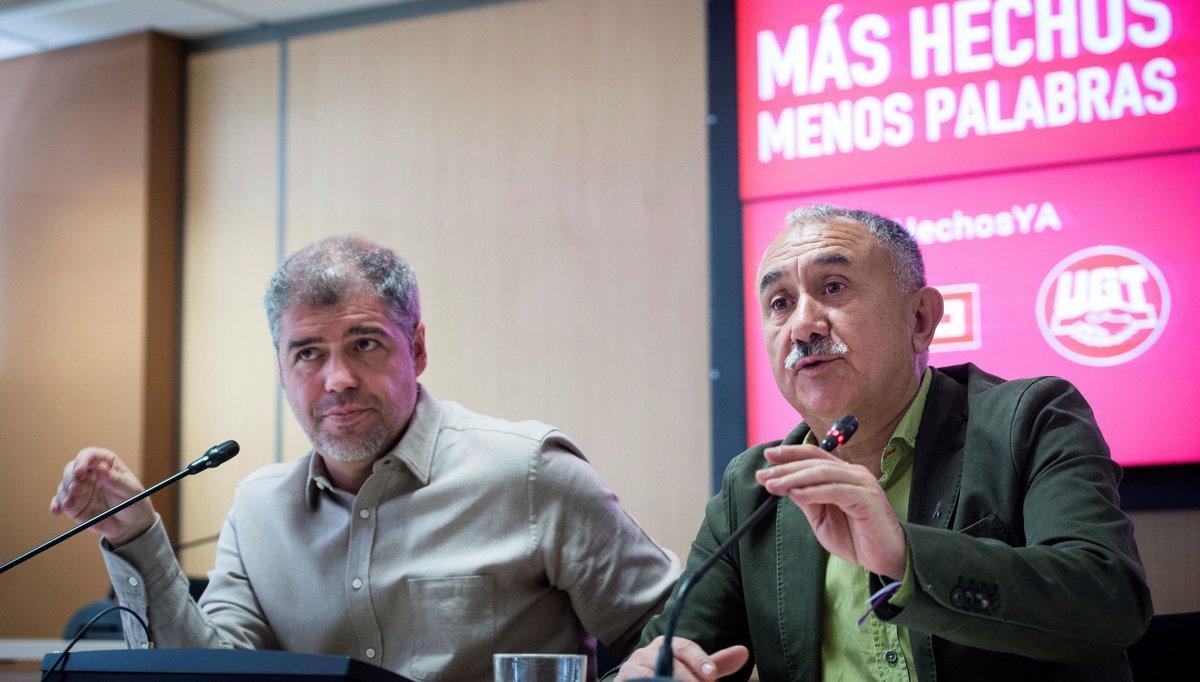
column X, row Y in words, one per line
column 416, row 535
column 969, row 530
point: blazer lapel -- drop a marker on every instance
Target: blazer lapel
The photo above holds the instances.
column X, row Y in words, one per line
column 799, row 575
column 937, row 465
column 937, row 474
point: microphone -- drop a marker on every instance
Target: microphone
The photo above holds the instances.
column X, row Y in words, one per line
column 838, row 433
column 664, row 667
column 213, row 457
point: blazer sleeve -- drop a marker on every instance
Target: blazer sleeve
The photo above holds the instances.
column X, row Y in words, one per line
column 1074, row 589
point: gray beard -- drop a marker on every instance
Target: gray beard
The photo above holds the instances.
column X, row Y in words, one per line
column 359, row 449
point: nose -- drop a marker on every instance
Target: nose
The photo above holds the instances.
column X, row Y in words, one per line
column 809, row 320
column 339, row 376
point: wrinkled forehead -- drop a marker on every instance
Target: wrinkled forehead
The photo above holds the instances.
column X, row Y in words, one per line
column 838, row 239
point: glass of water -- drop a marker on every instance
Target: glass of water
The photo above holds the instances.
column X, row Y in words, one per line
column 539, row 667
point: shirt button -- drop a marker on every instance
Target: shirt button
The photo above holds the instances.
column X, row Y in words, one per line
column 370, row 653
column 356, row 583
column 133, row 582
column 364, row 514
column 891, row 658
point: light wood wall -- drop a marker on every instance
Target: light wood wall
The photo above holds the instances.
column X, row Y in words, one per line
column 540, row 164
column 227, row 376
column 89, row 173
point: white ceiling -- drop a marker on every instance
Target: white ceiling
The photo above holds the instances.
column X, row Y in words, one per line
column 28, row 26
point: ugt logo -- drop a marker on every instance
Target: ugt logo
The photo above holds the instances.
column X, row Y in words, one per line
column 1103, row 306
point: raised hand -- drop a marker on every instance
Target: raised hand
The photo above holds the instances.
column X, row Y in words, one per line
column 844, row 503
column 96, row 480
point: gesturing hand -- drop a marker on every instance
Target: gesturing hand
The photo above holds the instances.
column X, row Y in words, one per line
column 96, row 480
column 844, row 503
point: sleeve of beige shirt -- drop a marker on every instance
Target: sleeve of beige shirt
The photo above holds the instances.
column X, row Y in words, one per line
column 148, row 579
column 615, row 575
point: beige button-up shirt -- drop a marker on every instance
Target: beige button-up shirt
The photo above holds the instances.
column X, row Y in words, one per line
column 473, row 536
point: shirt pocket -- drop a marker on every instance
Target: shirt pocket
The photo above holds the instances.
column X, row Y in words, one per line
column 454, row 626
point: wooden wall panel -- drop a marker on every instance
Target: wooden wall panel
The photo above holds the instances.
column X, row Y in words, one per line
column 542, row 165
column 163, row 182
column 228, row 372
column 86, row 306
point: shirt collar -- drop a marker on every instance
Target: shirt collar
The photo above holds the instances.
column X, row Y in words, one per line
column 910, row 423
column 415, row 449
column 416, row 446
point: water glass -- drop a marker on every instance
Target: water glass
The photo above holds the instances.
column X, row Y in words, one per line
column 539, row 667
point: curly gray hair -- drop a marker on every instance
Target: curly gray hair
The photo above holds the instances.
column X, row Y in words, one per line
column 328, row 271
column 907, row 264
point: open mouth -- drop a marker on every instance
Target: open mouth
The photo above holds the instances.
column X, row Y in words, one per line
column 816, row 361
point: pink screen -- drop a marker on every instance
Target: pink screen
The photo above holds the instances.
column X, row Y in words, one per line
column 1063, row 249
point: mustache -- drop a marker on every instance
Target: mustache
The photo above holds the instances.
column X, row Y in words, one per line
column 825, row 345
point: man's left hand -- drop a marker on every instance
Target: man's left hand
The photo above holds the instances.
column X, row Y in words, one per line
column 845, row 505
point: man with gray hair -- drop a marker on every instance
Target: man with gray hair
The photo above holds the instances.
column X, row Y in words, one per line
column 415, row 535
column 969, row 530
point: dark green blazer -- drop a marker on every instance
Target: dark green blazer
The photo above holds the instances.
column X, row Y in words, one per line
column 1026, row 566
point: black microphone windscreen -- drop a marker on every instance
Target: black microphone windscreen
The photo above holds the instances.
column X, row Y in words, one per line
column 839, row 433
column 219, row 454
column 847, row 425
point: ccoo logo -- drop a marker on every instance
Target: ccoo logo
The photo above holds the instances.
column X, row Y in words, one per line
column 1103, row 306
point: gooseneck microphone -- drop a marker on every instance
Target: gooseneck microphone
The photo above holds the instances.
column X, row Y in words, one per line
column 664, row 667
column 213, row 457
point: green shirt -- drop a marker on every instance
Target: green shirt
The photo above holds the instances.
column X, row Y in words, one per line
column 877, row 650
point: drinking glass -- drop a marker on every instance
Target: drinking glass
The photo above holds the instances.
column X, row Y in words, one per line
column 539, row 667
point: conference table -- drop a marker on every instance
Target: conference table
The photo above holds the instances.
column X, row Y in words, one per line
column 108, row 660
column 20, row 659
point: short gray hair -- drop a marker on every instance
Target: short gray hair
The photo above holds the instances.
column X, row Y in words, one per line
column 907, row 264
column 330, row 270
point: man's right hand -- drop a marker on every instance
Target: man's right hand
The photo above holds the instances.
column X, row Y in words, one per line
column 691, row 662
column 96, row 480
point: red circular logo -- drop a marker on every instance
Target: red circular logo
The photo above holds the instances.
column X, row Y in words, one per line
column 1103, row 306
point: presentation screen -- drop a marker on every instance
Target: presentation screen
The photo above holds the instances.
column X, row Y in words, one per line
column 1045, row 154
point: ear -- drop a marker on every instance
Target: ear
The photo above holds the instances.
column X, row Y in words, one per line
column 420, row 358
column 927, row 313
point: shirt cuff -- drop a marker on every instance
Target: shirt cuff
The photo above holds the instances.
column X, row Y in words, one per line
column 887, row 609
column 140, row 569
column 906, row 591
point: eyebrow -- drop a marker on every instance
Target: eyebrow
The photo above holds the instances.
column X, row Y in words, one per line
column 292, row 345
column 362, row 330
column 831, row 259
column 769, row 279
column 824, row 259
column 365, row 330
